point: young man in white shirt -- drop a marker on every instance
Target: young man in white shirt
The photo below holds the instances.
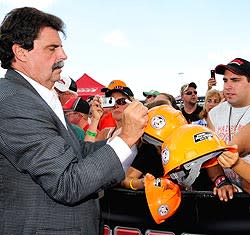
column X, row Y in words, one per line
column 230, row 116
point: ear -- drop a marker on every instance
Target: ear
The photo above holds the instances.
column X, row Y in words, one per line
column 19, row 52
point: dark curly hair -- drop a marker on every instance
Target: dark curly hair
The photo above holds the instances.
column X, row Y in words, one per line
column 22, row 26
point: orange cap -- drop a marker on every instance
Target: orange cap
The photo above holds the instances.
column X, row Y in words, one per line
column 114, row 85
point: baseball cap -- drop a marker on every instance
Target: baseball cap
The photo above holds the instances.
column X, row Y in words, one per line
column 113, row 85
column 77, row 104
column 237, row 66
column 124, row 90
column 66, row 83
column 186, row 86
column 151, row 92
column 117, row 86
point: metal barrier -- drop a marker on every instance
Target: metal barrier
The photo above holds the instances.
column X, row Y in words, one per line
column 199, row 213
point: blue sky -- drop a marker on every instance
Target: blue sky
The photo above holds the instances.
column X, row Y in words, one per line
column 149, row 44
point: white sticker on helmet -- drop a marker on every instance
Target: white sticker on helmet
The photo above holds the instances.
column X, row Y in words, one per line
column 163, row 210
column 158, row 122
column 165, row 156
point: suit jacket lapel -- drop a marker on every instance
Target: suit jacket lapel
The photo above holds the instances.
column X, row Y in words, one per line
column 68, row 135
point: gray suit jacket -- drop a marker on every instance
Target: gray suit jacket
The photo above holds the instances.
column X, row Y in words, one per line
column 47, row 178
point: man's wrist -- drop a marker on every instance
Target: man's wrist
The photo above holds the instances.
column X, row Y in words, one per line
column 130, row 141
column 235, row 164
column 221, row 181
column 91, row 133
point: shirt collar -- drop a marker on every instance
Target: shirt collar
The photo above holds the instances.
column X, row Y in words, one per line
column 44, row 92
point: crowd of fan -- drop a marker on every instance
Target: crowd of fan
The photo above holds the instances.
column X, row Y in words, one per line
column 91, row 125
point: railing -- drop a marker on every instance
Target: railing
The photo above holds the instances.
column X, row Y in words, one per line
column 199, row 213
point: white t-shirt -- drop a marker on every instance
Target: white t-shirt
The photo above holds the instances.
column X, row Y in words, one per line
column 227, row 121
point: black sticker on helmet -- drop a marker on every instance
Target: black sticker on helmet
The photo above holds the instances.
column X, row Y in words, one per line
column 203, row 136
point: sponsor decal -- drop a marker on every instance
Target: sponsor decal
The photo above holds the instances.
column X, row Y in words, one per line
column 158, row 122
column 203, row 136
column 165, row 156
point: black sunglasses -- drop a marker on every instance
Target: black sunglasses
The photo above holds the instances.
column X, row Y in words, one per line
column 121, row 101
column 191, row 92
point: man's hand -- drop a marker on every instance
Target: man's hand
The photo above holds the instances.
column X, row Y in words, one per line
column 210, row 83
column 225, row 192
column 228, row 159
column 134, row 120
column 96, row 109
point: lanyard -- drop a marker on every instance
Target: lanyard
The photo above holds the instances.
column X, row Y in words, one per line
column 229, row 122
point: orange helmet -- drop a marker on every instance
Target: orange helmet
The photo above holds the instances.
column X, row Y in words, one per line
column 163, row 197
column 189, row 147
column 162, row 121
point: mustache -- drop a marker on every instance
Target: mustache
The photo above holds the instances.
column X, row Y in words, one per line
column 57, row 65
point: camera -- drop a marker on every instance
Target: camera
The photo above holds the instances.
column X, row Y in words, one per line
column 107, row 102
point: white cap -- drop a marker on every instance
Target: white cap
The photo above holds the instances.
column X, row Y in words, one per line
column 63, row 84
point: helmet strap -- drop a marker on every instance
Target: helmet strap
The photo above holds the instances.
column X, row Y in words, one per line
column 191, row 170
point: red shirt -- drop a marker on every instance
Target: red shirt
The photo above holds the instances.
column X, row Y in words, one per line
column 106, row 121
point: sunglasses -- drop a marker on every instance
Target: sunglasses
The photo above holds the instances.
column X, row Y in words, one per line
column 191, row 92
column 121, row 101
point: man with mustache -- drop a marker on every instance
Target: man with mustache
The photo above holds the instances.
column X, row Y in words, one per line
column 57, row 65
column 227, row 118
column 49, row 181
